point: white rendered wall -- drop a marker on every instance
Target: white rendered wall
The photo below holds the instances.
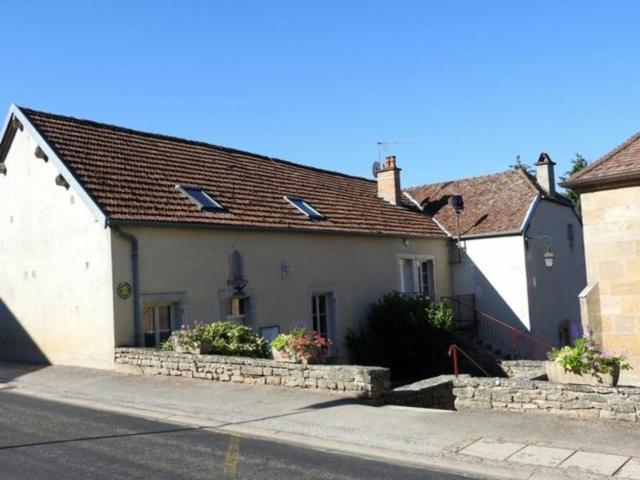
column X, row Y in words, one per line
column 494, row 270
column 55, row 271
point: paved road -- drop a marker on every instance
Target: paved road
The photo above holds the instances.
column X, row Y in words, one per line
column 41, row 439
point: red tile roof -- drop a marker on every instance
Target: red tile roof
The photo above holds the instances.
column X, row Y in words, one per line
column 493, row 204
column 133, row 176
column 618, row 167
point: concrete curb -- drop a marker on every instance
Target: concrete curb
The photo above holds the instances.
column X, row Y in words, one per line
column 450, row 463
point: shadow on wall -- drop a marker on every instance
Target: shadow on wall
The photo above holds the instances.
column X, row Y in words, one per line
column 16, row 345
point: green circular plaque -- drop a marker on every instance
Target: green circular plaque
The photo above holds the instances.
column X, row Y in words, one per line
column 124, row 290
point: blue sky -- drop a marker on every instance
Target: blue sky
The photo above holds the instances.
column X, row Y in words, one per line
column 471, row 84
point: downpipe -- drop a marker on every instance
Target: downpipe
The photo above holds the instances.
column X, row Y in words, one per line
column 135, row 273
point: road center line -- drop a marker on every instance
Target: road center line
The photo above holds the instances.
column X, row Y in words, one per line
column 231, row 460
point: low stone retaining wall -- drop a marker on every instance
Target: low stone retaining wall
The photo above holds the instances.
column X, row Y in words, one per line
column 536, row 396
column 529, row 369
column 435, row 392
column 349, row 380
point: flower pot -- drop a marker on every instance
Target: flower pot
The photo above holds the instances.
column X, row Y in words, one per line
column 556, row 373
column 281, row 356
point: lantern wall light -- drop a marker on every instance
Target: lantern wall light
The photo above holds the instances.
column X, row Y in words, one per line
column 546, row 240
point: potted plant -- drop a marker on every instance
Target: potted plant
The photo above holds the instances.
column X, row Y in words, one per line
column 300, row 346
column 585, row 363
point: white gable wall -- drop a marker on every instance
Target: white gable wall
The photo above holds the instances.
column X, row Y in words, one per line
column 55, row 271
column 494, row 270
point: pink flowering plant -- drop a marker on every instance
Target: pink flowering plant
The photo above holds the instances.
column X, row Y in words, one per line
column 302, row 345
column 586, row 357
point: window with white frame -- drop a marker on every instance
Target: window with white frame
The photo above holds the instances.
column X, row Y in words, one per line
column 158, row 321
column 417, row 276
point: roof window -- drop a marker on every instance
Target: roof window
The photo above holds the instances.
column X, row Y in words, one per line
column 305, row 208
column 201, row 198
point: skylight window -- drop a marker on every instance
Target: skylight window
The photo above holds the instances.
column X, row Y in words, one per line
column 201, row 198
column 305, row 208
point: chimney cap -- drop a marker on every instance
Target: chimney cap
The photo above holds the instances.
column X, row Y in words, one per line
column 389, row 162
column 545, row 159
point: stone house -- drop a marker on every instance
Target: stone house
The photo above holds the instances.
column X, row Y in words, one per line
column 610, row 196
column 112, row 237
column 509, row 223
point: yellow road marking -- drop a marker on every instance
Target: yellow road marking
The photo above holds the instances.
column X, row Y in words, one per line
column 231, row 460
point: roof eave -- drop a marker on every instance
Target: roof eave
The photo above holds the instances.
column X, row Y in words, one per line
column 255, row 228
column 607, row 182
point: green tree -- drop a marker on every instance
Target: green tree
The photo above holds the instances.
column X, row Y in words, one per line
column 577, row 164
column 520, row 165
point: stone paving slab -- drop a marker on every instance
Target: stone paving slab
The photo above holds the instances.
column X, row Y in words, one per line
column 492, row 449
column 630, row 470
column 600, row 463
column 545, row 456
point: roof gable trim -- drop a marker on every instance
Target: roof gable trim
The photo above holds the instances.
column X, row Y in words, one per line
column 17, row 114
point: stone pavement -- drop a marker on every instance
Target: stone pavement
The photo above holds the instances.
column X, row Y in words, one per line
column 484, row 444
column 618, row 466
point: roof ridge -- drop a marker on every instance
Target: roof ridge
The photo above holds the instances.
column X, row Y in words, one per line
column 174, row 138
column 625, row 144
column 466, row 179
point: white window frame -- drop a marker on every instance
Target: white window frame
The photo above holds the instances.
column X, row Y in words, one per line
column 177, row 301
column 332, row 314
column 416, row 261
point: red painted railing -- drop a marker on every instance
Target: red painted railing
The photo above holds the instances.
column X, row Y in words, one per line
column 453, row 353
column 500, row 336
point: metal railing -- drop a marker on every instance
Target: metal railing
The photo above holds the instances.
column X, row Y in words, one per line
column 503, row 338
column 453, row 353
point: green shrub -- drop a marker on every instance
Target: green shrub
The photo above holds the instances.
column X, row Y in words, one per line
column 410, row 335
column 223, row 338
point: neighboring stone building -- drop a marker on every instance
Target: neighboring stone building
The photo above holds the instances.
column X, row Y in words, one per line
column 508, row 223
column 111, row 237
column 610, row 195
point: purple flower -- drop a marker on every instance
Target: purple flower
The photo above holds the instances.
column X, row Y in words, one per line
column 575, row 331
column 584, row 360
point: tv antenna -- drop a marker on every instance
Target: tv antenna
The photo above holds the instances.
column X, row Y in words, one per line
column 384, row 144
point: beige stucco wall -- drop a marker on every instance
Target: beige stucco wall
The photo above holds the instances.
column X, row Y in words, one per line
column 55, row 270
column 612, row 247
column 553, row 293
column 358, row 269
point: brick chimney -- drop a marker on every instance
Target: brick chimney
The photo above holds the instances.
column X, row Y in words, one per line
column 544, row 174
column 389, row 181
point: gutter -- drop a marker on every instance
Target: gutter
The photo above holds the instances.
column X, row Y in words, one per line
column 604, row 182
column 135, row 273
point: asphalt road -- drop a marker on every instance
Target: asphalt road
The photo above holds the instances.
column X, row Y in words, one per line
column 40, row 439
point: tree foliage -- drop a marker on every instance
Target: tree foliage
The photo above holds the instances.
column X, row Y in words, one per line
column 520, row 165
column 577, row 163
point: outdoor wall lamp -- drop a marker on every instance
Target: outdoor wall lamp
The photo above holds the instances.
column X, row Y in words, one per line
column 285, row 268
column 546, row 241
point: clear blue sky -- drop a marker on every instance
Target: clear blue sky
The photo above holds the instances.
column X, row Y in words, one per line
column 471, row 83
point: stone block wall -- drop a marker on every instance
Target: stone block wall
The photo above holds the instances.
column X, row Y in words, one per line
column 436, row 392
column 612, row 247
column 534, row 396
column 348, row 380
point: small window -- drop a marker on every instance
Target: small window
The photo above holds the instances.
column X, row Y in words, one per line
column 305, row 208
column 417, row 277
column 570, row 235
column 201, row 198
